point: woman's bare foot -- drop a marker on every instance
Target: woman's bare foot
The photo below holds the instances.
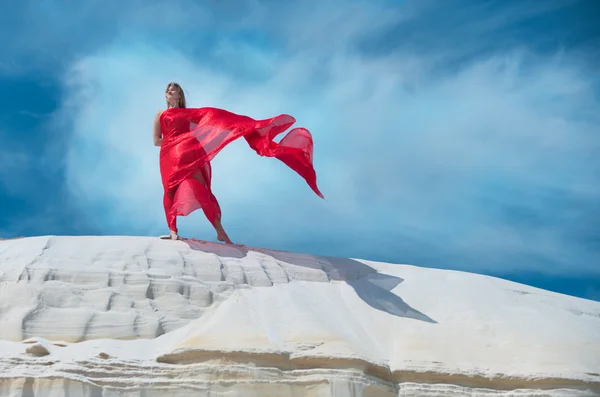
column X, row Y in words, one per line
column 224, row 237
column 221, row 234
column 175, row 236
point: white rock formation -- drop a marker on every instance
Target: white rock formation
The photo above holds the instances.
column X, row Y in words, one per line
column 140, row 316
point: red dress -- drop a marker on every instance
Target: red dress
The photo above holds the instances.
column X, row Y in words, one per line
column 192, row 137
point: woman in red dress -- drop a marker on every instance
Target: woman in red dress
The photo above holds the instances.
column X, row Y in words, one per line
column 189, row 138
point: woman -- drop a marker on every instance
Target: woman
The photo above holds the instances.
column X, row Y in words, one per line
column 189, row 138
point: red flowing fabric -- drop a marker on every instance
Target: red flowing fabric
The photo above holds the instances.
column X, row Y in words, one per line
column 192, row 137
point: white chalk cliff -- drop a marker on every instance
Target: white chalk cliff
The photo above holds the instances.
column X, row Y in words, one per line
column 140, row 316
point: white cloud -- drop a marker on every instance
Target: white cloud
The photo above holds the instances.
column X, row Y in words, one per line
column 397, row 148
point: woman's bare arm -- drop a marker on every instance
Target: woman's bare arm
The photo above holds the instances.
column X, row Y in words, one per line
column 157, row 131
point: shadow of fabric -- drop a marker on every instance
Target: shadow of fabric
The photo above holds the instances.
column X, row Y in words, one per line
column 372, row 287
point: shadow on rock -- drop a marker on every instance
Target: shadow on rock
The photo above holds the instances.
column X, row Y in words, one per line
column 372, row 287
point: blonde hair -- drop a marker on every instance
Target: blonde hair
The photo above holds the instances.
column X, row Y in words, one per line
column 181, row 103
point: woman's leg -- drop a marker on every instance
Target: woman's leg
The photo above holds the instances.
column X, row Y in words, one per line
column 211, row 209
column 170, row 215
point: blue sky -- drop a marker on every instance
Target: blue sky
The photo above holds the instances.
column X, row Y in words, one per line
column 456, row 134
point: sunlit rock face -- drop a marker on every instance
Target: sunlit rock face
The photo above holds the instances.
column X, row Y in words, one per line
column 140, row 316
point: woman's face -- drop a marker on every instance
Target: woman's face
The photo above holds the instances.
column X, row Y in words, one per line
column 172, row 95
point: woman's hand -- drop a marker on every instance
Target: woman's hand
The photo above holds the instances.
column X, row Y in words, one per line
column 157, row 133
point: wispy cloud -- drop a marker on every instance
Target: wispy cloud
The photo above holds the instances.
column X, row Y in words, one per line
column 12, row 165
column 443, row 144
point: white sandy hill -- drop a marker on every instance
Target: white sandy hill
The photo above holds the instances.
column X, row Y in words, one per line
column 136, row 316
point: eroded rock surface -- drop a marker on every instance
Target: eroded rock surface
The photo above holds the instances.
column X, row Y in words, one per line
column 139, row 316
